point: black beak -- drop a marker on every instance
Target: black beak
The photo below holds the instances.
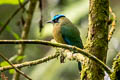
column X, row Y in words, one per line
column 49, row 21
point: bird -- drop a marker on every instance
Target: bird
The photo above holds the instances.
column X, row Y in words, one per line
column 65, row 32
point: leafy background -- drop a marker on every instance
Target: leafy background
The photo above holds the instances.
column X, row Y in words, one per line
column 76, row 11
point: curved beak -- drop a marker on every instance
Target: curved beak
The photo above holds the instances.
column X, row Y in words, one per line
column 49, row 21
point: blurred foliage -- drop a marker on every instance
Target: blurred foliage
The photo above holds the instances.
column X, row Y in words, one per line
column 4, row 63
column 10, row 1
column 77, row 12
column 8, row 28
column 11, row 71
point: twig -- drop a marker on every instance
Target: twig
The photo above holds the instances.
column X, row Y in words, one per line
column 41, row 11
column 12, row 16
column 92, row 57
column 113, row 24
column 15, row 67
column 21, row 5
column 43, row 7
column 31, row 63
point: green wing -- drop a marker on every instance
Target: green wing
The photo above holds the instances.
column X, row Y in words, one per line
column 71, row 35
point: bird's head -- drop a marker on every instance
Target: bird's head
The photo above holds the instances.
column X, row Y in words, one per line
column 56, row 19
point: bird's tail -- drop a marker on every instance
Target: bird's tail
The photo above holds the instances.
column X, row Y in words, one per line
column 79, row 66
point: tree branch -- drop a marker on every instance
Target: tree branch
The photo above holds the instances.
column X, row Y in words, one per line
column 15, row 67
column 31, row 63
column 83, row 52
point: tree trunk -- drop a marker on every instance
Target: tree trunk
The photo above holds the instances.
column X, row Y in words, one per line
column 97, row 41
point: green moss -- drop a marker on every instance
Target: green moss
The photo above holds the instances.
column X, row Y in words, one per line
column 116, row 67
column 97, row 42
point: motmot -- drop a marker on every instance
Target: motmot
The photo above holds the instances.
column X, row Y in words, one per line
column 64, row 31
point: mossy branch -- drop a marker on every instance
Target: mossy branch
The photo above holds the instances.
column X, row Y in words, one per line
column 72, row 48
column 116, row 68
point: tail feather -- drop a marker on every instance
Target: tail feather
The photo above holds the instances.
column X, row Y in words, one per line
column 79, row 66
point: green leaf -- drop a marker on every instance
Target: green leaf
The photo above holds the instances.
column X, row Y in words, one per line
column 4, row 63
column 19, row 58
column 16, row 36
column 10, row 1
column 11, row 71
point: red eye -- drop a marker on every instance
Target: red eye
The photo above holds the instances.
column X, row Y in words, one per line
column 56, row 21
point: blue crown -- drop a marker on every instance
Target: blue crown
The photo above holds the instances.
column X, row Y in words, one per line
column 57, row 17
